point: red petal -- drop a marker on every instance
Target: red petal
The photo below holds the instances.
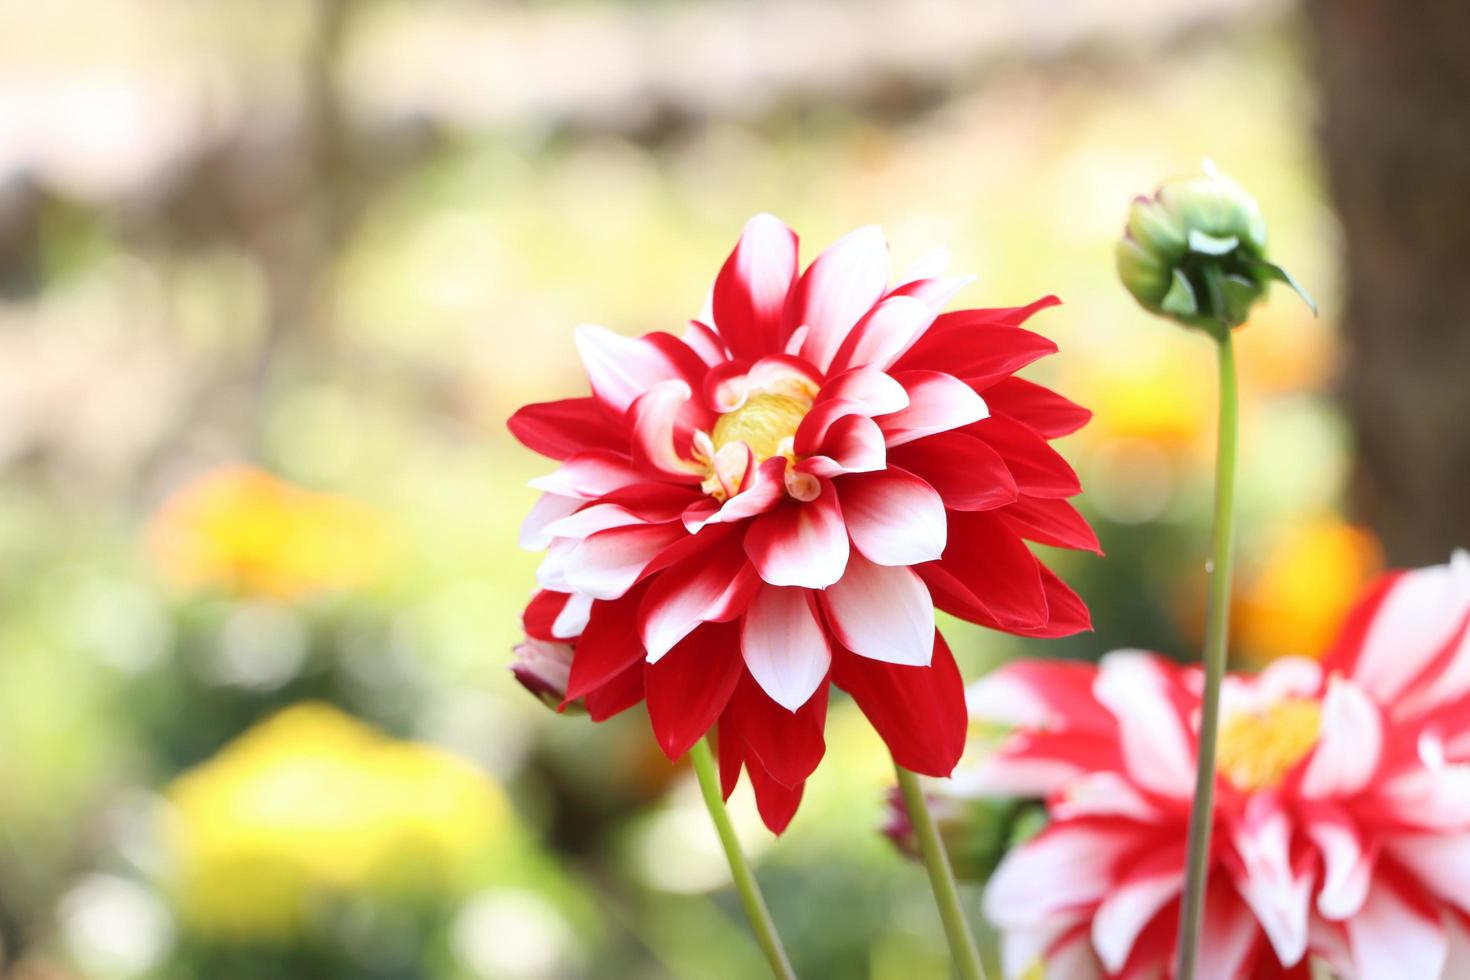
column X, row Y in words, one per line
column 732, row 755
column 1050, row 520
column 979, row 354
column 776, row 802
column 617, row 695
column 1040, row 471
column 788, row 744
column 918, row 711
column 691, row 685
column 562, row 428
column 1066, row 612
column 541, row 612
column 968, row 474
column 750, row 292
column 1039, row 407
column 609, row 644
column 997, row 570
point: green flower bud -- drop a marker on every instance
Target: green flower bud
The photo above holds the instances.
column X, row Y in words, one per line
column 1196, row 252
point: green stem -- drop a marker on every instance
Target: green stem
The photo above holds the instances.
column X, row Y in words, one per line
column 941, row 878
column 1217, row 636
column 740, row 873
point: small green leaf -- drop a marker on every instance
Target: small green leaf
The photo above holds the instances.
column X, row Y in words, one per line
column 1180, row 299
column 1271, row 271
column 1207, row 244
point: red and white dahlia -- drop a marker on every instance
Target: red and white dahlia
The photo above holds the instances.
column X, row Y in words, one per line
column 782, row 497
column 1342, row 826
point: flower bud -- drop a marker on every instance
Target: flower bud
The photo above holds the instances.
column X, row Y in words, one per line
column 1196, row 252
column 543, row 668
column 977, row 833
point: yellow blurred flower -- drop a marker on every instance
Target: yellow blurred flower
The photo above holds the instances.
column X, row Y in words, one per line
column 248, row 532
column 312, row 803
column 1297, row 596
column 1163, row 399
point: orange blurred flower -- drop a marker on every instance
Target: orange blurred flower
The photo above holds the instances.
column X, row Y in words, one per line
column 1297, row 596
column 250, row 533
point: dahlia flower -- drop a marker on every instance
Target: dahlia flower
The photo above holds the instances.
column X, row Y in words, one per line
column 779, row 499
column 1342, row 823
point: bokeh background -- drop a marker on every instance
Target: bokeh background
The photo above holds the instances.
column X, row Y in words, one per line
column 274, row 272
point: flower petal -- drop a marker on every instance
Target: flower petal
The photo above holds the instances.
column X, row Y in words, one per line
column 1349, row 746
column 800, row 543
column 882, row 612
column 622, row 368
column 787, row 744
column 837, row 290
column 688, row 689
column 894, row 517
column 884, row 333
column 938, row 402
column 968, row 474
column 1157, row 748
column 564, row 428
column 1393, row 937
column 653, row 417
column 711, row 586
column 605, row 564
column 918, row 711
column 1036, row 406
column 750, row 292
column 785, row 647
column 1134, row 901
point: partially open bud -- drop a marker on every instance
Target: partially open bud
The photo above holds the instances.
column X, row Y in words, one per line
column 543, row 668
column 977, row 833
column 1196, row 252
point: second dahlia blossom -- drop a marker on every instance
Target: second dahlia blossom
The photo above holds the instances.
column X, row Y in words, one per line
column 780, row 499
column 1342, row 828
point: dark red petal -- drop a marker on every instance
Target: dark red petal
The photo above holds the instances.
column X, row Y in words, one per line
column 563, row 428
column 617, row 695
column 691, row 685
column 1040, row 471
column 1037, row 406
column 968, row 474
column 609, row 644
column 996, row 569
column 789, row 745
column 1050, row 521
column 918, row 711
column 776, row 802
column 732, row 755
column 541, row 613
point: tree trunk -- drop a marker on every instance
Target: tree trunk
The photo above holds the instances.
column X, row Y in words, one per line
column 1395, row 102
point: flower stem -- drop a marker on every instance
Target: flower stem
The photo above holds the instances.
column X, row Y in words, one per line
column 941, row 878
column 1217, row 635
column 740, row 873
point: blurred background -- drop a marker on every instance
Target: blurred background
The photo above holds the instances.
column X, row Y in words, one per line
column 274, row 272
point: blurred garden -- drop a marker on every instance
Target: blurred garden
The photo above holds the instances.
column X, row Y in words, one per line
column 273, row 276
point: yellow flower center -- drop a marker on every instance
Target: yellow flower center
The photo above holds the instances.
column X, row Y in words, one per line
column 1258, row 748
column 762, row 423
